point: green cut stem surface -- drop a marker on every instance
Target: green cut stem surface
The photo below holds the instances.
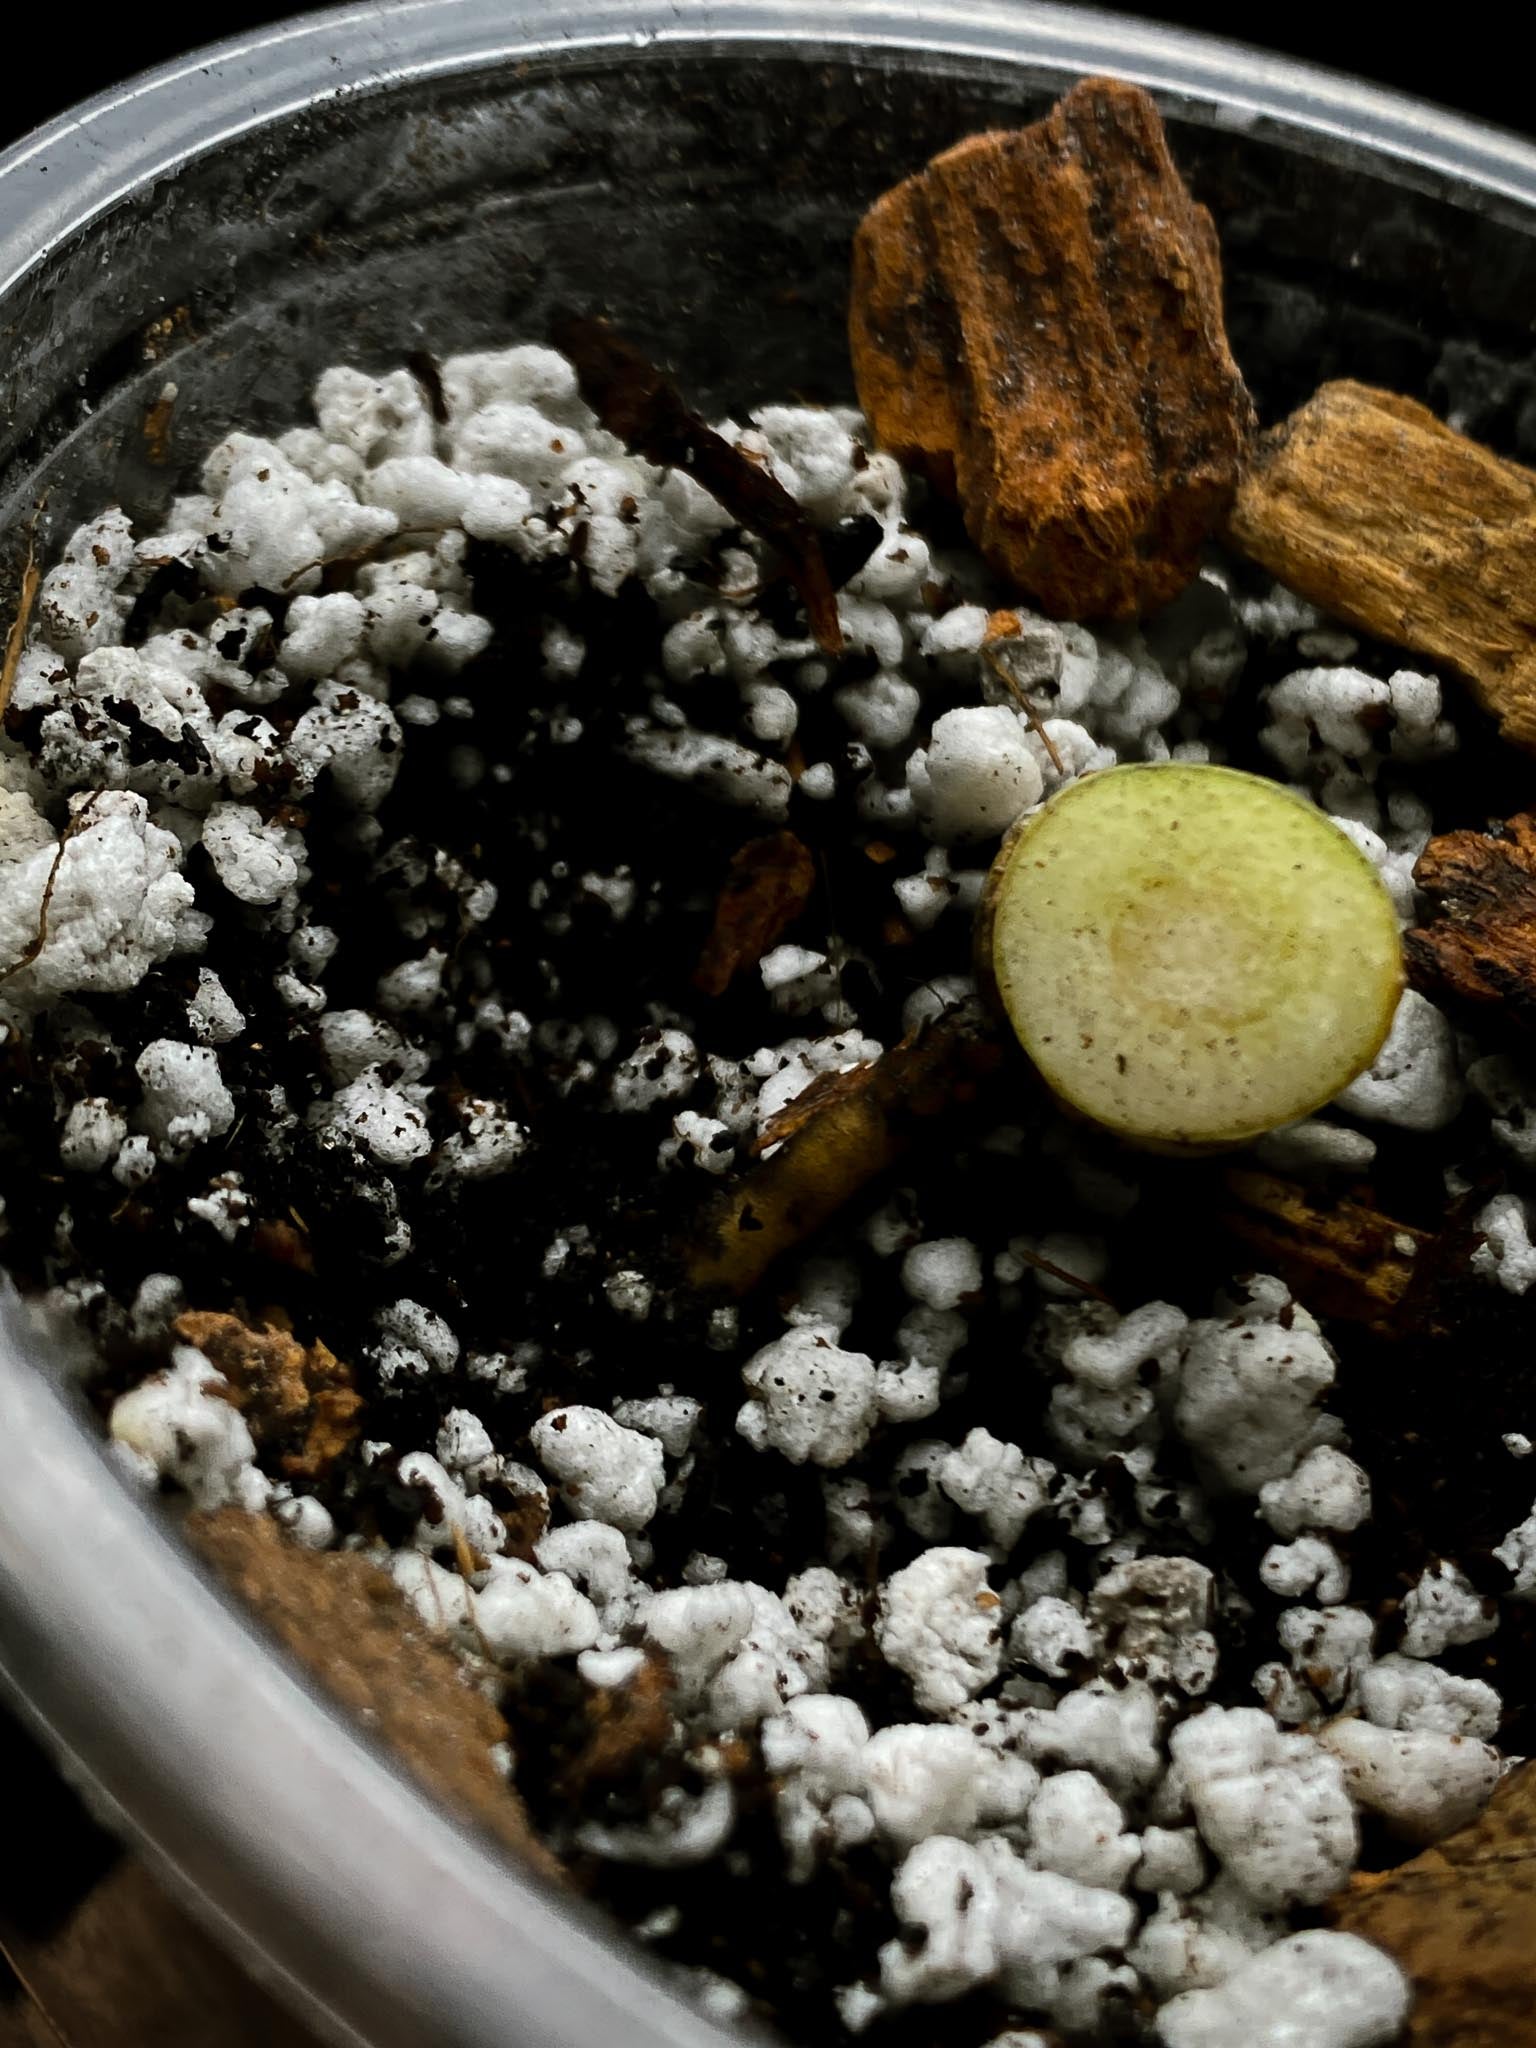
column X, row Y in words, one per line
column 1191, row 955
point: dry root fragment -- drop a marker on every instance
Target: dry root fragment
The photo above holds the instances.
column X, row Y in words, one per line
column 427, row 371
column 1478, row 944
column 1004, row 631
column 348, row 1625
column 1339, row 1256
column 156, row 428
column 838, row 1137
column 289, row 1393
column 524, row 1516
column 16, row 638
column 634, row 400
column 1371, row 507
column 1035, row 320
column 39, row 938
column 769, row 884
column 1461, row 1919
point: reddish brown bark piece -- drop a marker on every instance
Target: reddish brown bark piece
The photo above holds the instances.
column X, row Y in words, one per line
column 1478, row 943
column 1461, row 1919
column 291, row 1394
column 854, row 1127
column 1035, row 320
column 1367, row 504
column 769, row 884
column 1339, row 1256
column 347, row 1623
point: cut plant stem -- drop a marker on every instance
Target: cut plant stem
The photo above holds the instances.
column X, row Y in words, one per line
column 1191, row 956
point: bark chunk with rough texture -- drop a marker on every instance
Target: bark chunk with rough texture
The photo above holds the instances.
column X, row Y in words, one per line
column 1368, row 505
column 1339, row 1256
column 1461, row 1919
column 351, row 1628
column 1035, row 320
column 298, row 1398
column 1478, row 943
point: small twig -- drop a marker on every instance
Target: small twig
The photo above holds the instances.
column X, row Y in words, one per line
column 1044, row 1265
column 1035, row 722
column 424, row 367
column 464, row 1558
column 16, row 639
column 75, row 825
column 360, row 557
column 634, row 400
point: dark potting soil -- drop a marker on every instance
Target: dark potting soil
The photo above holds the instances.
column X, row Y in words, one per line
column 1425, row 1412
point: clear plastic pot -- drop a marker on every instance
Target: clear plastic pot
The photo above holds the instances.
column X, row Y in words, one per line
column 444, row 173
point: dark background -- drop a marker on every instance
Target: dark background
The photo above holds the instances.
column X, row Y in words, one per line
column 1465, row 61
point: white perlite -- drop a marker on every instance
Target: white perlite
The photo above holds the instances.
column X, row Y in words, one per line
column 1406, row 1692
column 606, row 1473
column 1248, row 1394
column 1272, row 1807
column 255, row 861
column 1442, row 1609
column 1423, row 1784
column 1315, row 1990
column 176, row 1425
column 981, row 1912
column 940, row 1624
column 1518, row 1553
column 996, row 1483
column 1054, row 1525
column 812, row 1402
column 185, row 1101
column 119, row 903
column 1327, row 1490
column 382, row 1119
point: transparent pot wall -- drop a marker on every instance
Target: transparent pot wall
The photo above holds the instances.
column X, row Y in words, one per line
column 706, row 201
